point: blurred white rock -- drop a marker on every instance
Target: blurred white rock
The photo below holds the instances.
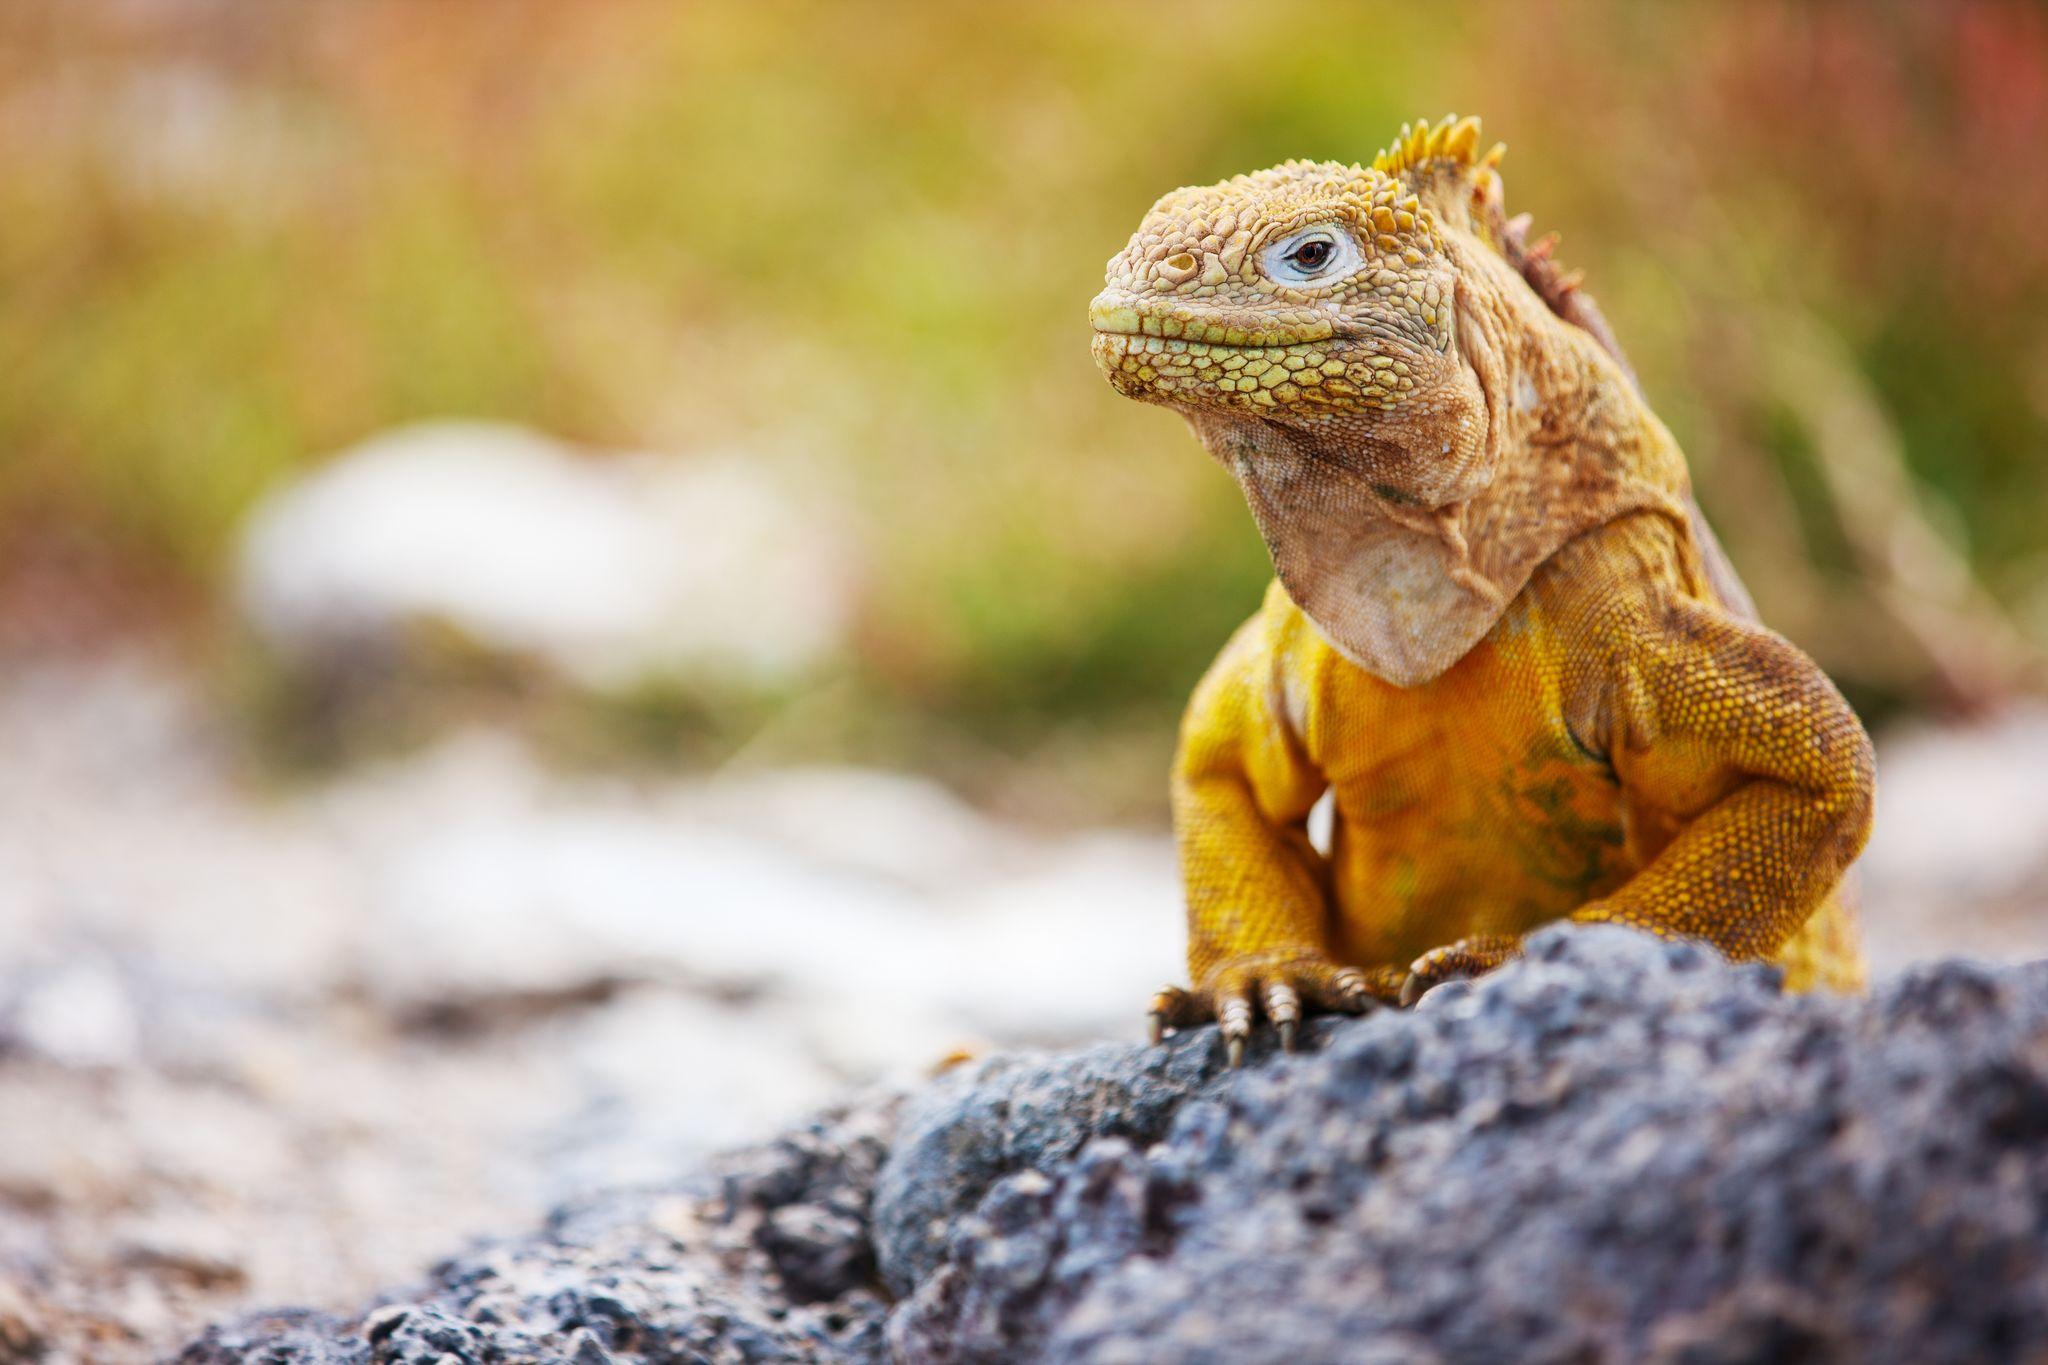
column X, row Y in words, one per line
column 612, row 569
column 1958, row 855
column 903, row 829
column 1074, row 948
column 546, row 900
column 661, row 1074
column 80, row 1015
column 1963, row 810
column 758, row 883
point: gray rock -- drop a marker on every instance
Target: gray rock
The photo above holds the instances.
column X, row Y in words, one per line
column 1031, row 1112
column 1620, row 1150
column 1616, row 1149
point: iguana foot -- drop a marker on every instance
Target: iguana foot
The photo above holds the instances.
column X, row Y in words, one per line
column 1235, row 994
column 1455, row 961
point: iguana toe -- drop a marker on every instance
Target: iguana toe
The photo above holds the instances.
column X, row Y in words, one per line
column 1467, row 957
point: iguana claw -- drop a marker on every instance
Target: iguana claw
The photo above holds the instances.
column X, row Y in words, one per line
column 1237, row 994
column 1468, row 957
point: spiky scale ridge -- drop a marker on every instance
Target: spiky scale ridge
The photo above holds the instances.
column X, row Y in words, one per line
column 1453, row 139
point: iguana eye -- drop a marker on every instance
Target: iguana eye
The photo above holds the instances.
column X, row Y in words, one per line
column 1314, row 255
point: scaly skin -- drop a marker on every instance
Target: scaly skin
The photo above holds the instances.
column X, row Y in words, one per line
column 1501, row 638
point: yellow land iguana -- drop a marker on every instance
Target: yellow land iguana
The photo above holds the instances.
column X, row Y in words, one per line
column 1501, row 637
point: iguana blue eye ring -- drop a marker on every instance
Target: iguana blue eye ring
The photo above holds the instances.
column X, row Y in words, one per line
column 1314, row 255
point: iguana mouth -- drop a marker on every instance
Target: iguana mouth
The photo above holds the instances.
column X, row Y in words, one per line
column 1113, row 317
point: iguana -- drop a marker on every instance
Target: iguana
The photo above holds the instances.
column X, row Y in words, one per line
column 1501, row 637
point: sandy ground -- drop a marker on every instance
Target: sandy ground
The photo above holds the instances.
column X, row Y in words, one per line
column 261, row 1049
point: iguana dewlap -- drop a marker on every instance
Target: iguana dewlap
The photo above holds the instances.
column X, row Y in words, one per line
column 1501, row 638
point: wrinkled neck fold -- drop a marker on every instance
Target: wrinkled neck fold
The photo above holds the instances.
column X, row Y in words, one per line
column 1405, row 586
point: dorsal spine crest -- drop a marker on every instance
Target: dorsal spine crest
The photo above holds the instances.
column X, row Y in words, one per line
column 1454, row 139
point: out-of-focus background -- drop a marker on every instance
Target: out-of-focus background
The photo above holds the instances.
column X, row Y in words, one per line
column 568, row 587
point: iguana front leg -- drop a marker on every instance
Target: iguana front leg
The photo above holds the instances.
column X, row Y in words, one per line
column 1747, row 778
column 1258, row 905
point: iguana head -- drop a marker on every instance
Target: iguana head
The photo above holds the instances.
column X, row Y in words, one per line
column 1315, row 296
column 1356, row 345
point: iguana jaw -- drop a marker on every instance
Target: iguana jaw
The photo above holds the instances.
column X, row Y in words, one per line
column 1261, row 361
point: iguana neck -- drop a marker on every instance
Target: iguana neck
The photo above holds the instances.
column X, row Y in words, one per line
column 1405, row 584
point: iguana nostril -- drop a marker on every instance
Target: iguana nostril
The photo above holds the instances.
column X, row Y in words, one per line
column 1178, row 267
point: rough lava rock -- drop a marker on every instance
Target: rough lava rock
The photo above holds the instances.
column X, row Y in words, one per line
column 1031, row 1113
column 1620, row 1150
column 1617, row 1149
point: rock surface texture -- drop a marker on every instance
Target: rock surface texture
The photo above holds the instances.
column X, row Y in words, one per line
column 1617, row 1149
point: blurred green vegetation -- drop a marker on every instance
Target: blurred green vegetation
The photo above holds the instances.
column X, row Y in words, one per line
column 858, row 240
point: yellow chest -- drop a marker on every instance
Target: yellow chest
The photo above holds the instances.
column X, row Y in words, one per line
column 1464, row 805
